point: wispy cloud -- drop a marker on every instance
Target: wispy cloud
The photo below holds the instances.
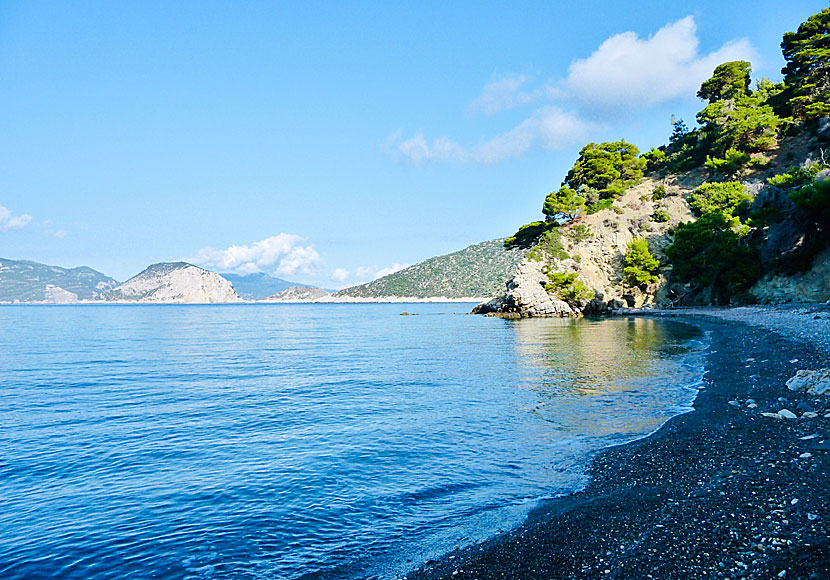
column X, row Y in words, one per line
column 625, row 74
column 9, row 221
column 505, row 92
column 365, row 273
column 545, row 128
column 283, row 254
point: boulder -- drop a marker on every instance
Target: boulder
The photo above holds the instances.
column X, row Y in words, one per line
column 526, row 296
column 811, row 382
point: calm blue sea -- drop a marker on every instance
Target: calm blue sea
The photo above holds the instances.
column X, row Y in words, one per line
column 304, row 441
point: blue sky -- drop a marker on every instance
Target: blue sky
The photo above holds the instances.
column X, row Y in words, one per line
column 328, row 143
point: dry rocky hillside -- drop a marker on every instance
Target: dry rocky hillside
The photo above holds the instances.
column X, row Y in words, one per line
column 178, row 283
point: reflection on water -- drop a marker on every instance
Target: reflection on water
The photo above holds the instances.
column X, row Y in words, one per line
column 317, row 441
column 607, row 377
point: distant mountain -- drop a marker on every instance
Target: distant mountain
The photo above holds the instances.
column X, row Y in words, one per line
column 299, row 294
column 479, row 270
column 257, row 286
column 174, row 282
column 25, row 281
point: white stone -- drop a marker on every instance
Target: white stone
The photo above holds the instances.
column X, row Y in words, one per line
column 811, row 382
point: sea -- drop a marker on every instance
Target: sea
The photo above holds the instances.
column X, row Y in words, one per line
column 318, row 441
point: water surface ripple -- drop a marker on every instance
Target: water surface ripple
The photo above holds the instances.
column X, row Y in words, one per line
column 303, row 441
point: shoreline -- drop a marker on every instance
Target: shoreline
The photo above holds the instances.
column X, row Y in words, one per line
column 719, row 492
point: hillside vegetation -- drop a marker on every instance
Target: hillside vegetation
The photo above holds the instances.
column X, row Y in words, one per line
column 24, row 281
column 476, row 271
column 735, row 209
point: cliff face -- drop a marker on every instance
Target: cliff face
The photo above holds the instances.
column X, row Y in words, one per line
column 178, row 283
column 595, row 246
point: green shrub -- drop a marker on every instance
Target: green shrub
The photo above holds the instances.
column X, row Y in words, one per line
column 600, row 205
column 660, row 216
column 527, row 235
column 813, row 197
column 579, row 233
column 794, row 177
column 640, row 264
column 568, row 287
column 618, row 210
column 730, row 197
column 609, row 168
column 732, row 162
column 548, row 247
column 658, row 193
column 712, row 251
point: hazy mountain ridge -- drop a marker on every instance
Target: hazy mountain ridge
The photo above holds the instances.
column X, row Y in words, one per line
column 298, row 294
column 257, row 286
column 27, row 281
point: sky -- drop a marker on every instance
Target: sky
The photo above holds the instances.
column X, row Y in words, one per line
column 329, row 143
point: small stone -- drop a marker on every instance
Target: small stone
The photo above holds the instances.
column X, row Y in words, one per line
column 771, row 415
column 808, row 437
column 812, row 517
column 805, row 455
column 794, row 501
column 809, row 415
column 787, row 414
column 735, row 403
column 752, row 406
column 782, row 573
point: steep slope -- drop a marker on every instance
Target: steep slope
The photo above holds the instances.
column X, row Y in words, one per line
column 178, row 283
column 298, row 294
column 25, row 281
column 478, row 270
column 257, row 286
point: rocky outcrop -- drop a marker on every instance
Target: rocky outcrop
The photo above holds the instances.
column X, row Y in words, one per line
column 176, row 283
column 526, row 296
column 298, row 294
column 810, row 286
column 594, row 246
column 811, row 382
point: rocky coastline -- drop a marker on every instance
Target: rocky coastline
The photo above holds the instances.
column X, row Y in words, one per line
column 737, row 488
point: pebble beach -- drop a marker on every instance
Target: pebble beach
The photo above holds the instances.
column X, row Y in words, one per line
column 737, row 488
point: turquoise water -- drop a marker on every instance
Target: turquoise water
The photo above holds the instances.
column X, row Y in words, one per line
column 304, row 441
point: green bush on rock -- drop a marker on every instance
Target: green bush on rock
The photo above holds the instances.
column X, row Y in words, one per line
column 640, row 265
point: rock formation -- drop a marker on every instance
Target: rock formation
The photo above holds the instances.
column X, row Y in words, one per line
column 526, row 296
column 176, row 282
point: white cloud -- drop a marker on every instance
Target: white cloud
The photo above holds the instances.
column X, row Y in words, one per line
column 340, row 274
column 9, row 221
column 60, row 234
column 625, row 73
column 546, row 128
column 504, row 93
column 283, row 252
